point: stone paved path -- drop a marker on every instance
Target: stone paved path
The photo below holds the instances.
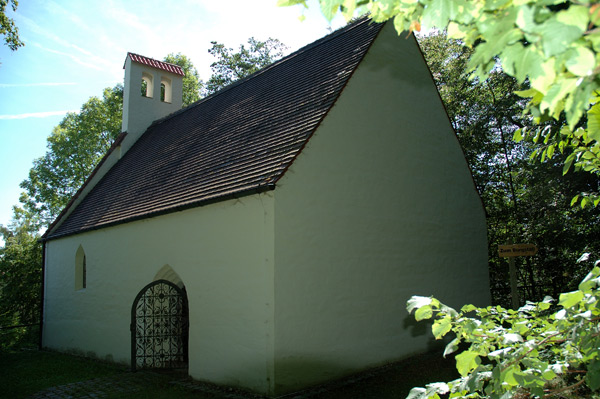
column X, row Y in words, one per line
column 125, row 383
column 98, row 387
column 364, row 385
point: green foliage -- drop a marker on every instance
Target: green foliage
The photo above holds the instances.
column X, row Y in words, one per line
column 74, row 148
column 550, row 44
column 524, row 201
column 192, row 85
column 20, row 276
column 580, row 151
column 8, row 29
column 540, row 350
column 231, row 66
column 80, row 140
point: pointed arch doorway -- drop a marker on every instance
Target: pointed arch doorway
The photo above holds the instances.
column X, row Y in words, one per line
column 159, row 327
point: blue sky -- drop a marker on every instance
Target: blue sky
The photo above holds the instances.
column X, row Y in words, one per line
column 74, row 49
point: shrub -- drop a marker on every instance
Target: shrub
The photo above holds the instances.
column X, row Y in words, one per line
column 543, row 349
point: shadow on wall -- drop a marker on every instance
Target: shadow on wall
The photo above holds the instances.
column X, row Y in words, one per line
column 420, row 329
column 295, row 373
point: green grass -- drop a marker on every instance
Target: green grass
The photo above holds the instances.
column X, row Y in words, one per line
column 23, row 373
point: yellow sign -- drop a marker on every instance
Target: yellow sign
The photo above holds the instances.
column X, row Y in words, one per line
column 512, row 250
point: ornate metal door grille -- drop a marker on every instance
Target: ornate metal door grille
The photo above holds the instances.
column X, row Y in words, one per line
column 159, row 327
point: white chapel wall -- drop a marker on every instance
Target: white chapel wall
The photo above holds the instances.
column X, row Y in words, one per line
column 223, row 254
column 378, row 207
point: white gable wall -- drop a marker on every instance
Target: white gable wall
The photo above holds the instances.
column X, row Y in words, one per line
column 378, row 207
column 223, row 254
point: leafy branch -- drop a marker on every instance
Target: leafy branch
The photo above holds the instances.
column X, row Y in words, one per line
column 523, row 353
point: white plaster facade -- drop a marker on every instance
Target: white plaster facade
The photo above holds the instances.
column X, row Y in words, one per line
column 308, row 282
column 223, row 253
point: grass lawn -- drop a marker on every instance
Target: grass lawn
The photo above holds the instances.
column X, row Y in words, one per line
column 24, row 373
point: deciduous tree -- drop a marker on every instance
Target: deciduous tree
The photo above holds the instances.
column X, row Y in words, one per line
column 8, row 29
column 20, row 275
column 74, row 148
column 231, row 66
column 547, row 349
column 524, row 201
column 192, row 85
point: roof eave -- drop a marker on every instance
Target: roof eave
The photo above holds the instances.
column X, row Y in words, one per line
column 235, row 195
column 76, row 196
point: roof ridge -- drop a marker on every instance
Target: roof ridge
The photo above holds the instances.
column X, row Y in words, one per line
column 301, row 50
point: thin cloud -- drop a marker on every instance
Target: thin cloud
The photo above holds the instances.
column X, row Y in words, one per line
column 71, row 56
column 96, row 61
column 36, row 115
column 37, row 84
column 60, row 11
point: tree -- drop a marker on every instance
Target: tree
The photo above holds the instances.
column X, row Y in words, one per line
column 75, row 146
column 231, row 66
column 192, row 85
column 78, row 143
column 524, row 201
column 541, row 350
column 8, row 29
column 552, row 44
column 80, row 140
column 20, row 275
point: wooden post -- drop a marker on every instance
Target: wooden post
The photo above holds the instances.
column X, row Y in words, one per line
column 511, row 251
column 512, row 269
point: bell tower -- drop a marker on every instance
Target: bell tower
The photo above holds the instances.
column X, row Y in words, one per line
column 153, row 89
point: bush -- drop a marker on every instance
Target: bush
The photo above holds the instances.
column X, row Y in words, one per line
column 543, row 349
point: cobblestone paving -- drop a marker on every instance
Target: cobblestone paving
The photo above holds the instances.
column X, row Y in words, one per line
column 128, row 382
column 98, row 387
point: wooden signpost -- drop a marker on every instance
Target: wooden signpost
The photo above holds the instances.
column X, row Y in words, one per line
column 511, row 251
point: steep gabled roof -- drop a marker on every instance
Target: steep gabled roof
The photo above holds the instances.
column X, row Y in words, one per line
column 237, row 141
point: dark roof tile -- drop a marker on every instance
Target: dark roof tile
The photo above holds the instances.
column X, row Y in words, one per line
column 239, row 140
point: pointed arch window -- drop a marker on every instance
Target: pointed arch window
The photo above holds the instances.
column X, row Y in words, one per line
column 80, row 269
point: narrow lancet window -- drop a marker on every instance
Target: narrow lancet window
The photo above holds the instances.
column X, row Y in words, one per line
column 80, row 269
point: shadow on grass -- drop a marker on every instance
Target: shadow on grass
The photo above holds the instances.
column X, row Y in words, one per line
column 393, row 381
column 27, row 372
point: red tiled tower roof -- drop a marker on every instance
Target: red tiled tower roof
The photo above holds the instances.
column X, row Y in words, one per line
column 165, row 66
